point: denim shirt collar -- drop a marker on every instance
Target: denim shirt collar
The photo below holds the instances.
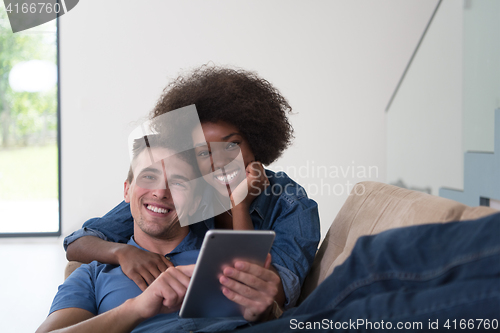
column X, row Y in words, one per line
column 260, row 205
column 191, row 242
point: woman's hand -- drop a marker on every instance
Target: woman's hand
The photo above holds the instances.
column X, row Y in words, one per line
column 140, row 266
column 252, row 286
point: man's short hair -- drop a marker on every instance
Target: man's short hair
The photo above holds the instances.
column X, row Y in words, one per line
column 238, row 97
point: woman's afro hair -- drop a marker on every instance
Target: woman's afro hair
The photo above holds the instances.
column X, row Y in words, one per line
column 238, row 97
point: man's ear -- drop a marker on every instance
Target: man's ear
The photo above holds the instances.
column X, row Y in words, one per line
column 126, row 188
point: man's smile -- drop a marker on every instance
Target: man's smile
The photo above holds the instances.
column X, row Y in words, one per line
column 156, row 209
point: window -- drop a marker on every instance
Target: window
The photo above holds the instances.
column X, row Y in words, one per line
column 29, row 130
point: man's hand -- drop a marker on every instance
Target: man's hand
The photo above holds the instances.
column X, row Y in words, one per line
column 252, row 286
column 140, row 266
column 165, row 294
column 256, row 181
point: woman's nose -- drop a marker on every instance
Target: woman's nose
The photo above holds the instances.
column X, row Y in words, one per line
column 221, row 158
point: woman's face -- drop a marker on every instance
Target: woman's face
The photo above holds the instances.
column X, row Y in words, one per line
column 217, row 156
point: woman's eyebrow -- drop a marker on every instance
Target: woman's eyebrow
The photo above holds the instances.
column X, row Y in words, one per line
column 227, row 137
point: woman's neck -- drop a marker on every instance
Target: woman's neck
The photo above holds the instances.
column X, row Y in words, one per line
column 223, row 221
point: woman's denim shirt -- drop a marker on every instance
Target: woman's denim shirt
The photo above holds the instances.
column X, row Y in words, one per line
column 283, row 207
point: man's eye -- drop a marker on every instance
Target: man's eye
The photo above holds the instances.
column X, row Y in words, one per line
column 148, row 177
column 203, row 153
column 177, row 185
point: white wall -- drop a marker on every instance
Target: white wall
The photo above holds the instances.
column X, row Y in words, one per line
column 481, row 73
column 424, row 123
column 336, row 61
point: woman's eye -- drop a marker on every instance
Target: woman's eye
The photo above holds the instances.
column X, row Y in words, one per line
column 203, row 153
column 232, row 145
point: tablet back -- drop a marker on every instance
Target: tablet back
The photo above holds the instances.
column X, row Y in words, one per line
column 204, row 297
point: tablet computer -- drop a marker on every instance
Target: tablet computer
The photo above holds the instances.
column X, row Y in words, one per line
column 220, row 248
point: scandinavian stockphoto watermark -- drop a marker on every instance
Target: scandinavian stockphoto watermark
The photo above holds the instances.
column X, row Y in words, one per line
column 330, row 180
column 26, row 14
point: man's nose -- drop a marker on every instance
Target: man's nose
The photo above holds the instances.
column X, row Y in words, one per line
column 162, row 193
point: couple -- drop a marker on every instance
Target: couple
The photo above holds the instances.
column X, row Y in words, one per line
column 243, row 120
column 374, row 283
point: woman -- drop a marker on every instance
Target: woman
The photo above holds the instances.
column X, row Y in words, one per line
column 236, row 108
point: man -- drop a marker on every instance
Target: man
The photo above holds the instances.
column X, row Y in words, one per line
column 100, row 298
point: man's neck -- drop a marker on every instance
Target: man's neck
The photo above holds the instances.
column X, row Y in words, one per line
column 161, row 245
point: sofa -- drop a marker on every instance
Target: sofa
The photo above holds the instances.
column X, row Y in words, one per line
column 371, row 208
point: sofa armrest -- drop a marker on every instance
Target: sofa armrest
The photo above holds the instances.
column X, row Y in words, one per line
column 70, row 267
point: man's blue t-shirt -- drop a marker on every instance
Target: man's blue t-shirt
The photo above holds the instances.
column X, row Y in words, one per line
column 98, row 288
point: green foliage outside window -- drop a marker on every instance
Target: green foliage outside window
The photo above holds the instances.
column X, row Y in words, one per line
column 26, row 118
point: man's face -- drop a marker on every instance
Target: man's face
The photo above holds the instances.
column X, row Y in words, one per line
column 156, row 187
